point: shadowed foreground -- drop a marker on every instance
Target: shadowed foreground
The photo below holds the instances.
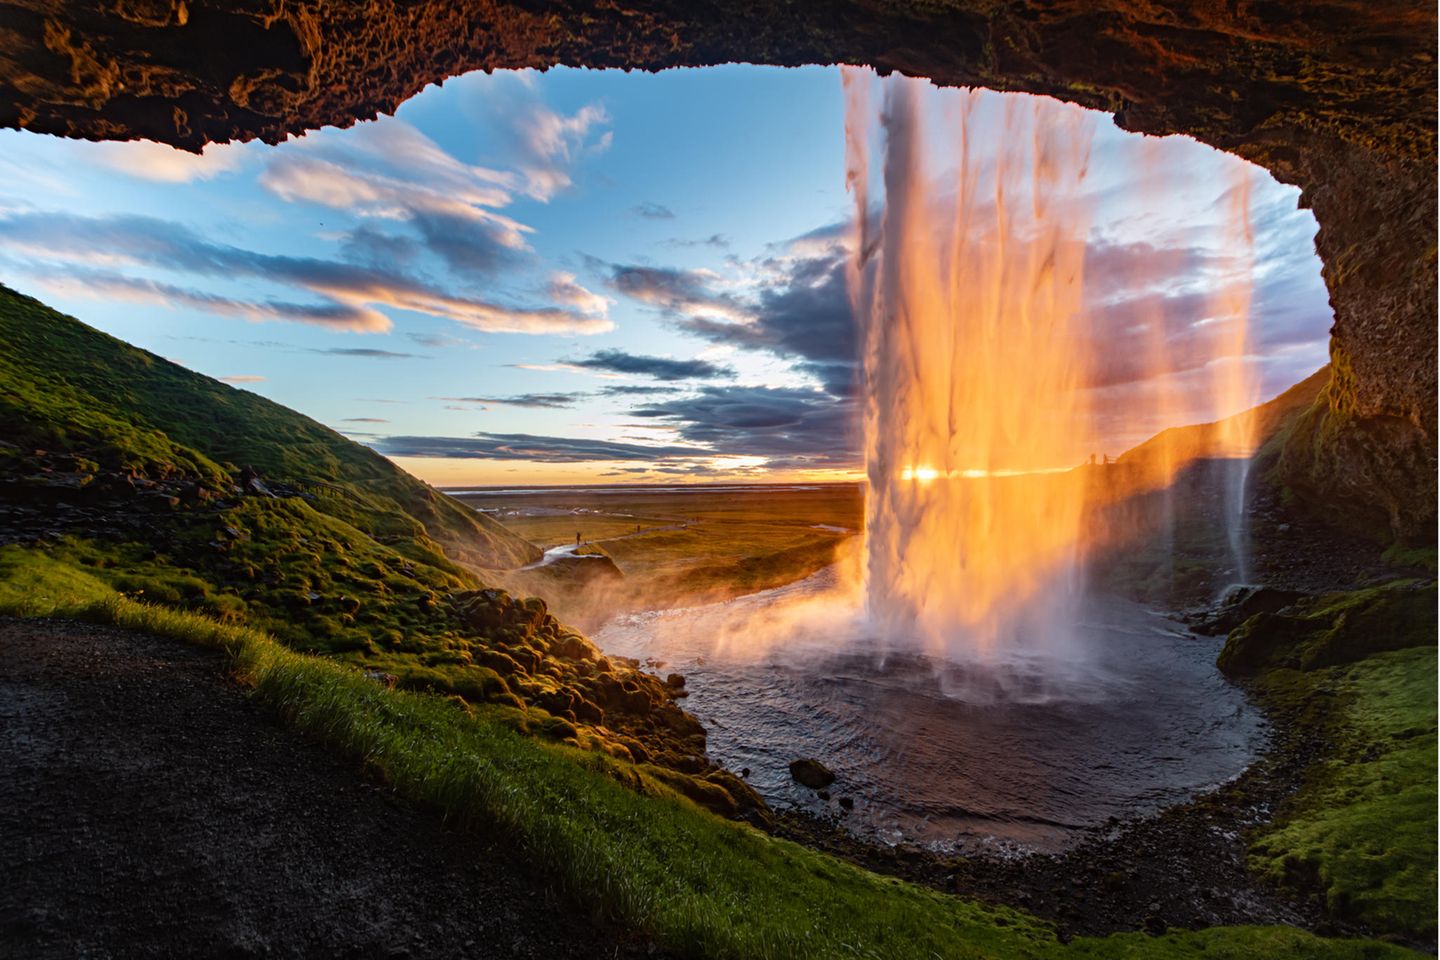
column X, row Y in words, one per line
column 148, row 808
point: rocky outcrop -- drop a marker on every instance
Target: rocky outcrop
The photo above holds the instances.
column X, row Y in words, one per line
column 1337, row 628
column 1338, row 97
column 564, row 688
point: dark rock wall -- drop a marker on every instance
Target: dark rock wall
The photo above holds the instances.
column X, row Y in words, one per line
column 1338, row 97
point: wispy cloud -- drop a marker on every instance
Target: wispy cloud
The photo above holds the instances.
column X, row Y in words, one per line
column 764, row 422
column 388, row 170
column 351, row 293
column 660, row 368
column 717, row 240
column 522, row 446
column 682, row 292
column 100, row 284
column 146, row 160
column 566, row 291
column 552, row 143
column 242, row 378
column 438, row 340
column 653, row 211
column 366, row 352
column 546, row 401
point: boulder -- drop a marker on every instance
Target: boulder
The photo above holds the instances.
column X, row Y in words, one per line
column 572, row 646
column 811, row 773
column 1243, row 601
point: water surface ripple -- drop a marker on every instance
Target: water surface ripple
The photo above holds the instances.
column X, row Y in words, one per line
column 996, row 757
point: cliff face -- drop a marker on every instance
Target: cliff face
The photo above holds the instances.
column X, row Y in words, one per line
column 1338, row 97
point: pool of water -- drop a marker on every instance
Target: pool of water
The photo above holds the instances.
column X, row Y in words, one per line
column 996, row 755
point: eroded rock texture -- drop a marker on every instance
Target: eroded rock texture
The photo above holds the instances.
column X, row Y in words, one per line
column 1338, row 97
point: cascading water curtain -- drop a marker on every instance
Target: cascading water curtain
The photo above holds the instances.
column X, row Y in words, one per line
column 969, row 291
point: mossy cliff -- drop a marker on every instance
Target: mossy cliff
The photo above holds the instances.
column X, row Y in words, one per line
column 123, row 469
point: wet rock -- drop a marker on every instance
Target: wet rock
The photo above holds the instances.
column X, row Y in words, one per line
column 811, row 773
column 572, row 646
column 1243, row 601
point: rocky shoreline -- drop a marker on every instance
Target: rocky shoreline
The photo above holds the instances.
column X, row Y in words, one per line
column 1184, row 867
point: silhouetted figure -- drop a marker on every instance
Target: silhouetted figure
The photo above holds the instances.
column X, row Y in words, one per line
column 1092, row 459
column 577, row 538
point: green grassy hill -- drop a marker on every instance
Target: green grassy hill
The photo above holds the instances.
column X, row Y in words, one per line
column 120, row 471
column 66, row 388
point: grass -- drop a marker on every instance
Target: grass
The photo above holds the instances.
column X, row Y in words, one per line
column 67, row 388
column 695, row 545
column 645, row 858
column 1361, row 833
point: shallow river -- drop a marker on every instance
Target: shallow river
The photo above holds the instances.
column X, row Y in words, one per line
column 1001, row 757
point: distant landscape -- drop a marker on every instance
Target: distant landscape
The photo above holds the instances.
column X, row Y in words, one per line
column 667, row 545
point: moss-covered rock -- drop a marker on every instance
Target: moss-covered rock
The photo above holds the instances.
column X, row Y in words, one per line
column 1333, row 629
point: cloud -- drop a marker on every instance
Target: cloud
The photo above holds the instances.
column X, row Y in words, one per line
column 653, row 211
column 451, row 206
column 764, row 422
column 366, row 352
column 565, row 291
column 660, row 368
column 539, row 401
column 389, row 170
column 717, row 240
column 635, row 389
column 521, row 446
column 552, row 143
column 802, row 314
column 108, row 285
column 1156, row 311
column 351, row 293
column 1147, row 299
column 438, row 340
column 681, row 292
column 146, row 160
column 242, row 378
column 369, row 245
column 364, row 420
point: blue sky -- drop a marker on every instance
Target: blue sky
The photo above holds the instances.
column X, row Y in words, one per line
column 574, row 275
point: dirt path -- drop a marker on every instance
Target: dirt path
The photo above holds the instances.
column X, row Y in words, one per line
column 147, row 808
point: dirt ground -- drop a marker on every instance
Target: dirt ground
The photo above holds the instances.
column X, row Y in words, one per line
column 149, row 809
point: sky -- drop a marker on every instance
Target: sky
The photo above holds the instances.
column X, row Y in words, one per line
column 588, row 276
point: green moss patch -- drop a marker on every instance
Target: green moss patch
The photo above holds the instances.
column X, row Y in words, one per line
column 1361, row 833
